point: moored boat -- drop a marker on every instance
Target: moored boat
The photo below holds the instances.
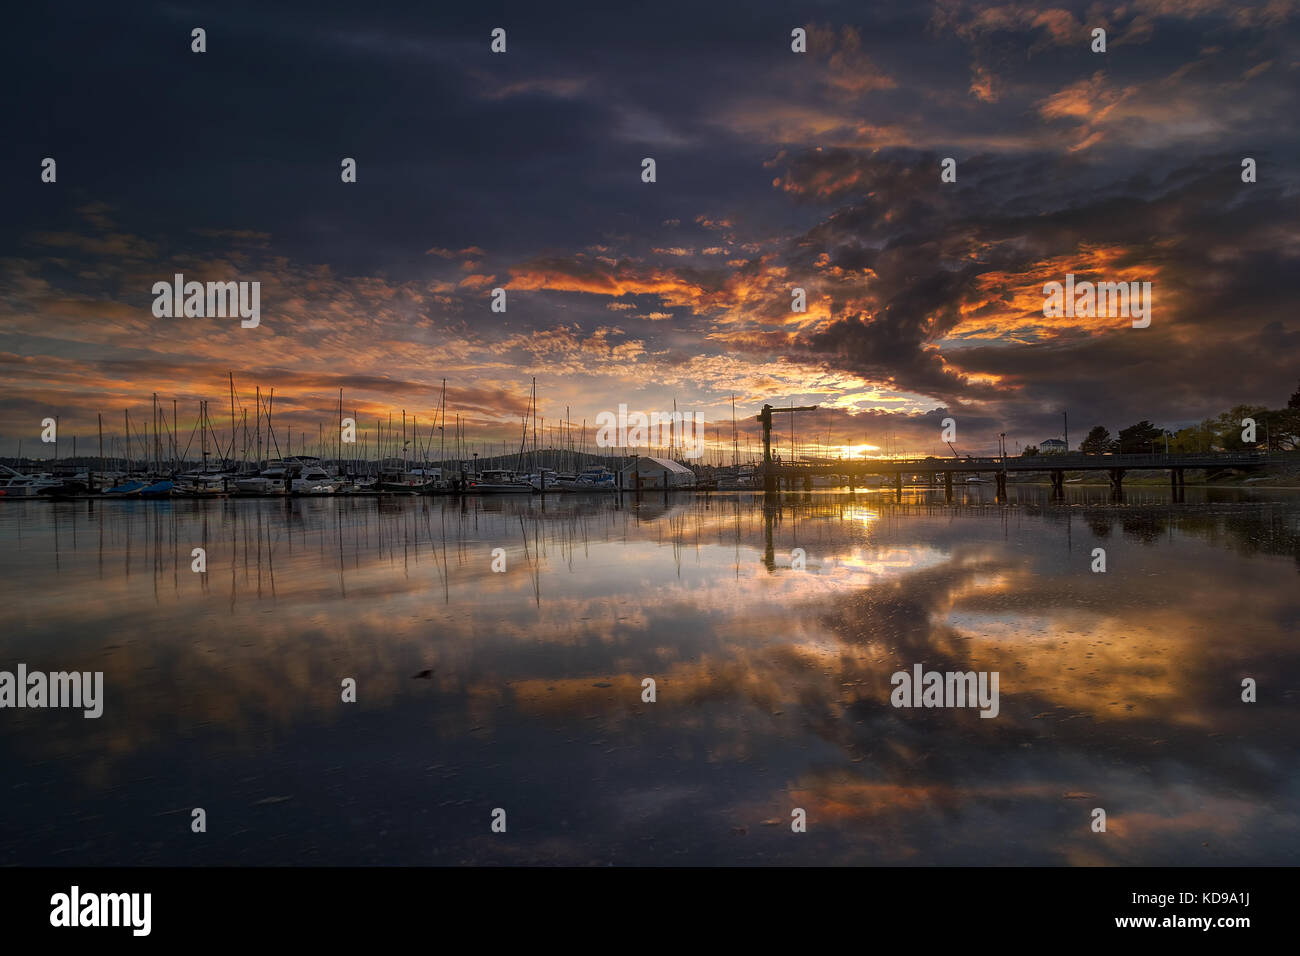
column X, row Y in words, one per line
column 14, row 484
column 594, row 479
column 158, row 489
column 498, row 482
column 311, row 479
column 201, row 484
column 128, row 489
column 271, row 480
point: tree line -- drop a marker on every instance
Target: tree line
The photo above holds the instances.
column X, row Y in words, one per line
column 1275, row 430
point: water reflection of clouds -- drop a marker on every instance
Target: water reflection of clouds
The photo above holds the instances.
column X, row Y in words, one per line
column 1119, row 686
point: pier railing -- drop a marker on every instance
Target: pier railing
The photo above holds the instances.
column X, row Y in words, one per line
column 1070, row 461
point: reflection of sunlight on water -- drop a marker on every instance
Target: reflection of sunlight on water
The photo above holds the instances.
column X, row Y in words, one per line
column 888, row 563
column 1007, row 626
column 1129, row 668
column 865, row 516
column 713, row 585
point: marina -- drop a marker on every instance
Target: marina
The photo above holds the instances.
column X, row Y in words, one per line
column 151, row 463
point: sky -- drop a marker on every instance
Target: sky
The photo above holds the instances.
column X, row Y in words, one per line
column 774, row 170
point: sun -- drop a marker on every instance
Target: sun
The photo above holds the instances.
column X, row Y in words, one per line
column 857, row 451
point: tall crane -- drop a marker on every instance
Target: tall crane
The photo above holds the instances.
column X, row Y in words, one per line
column 765, row 418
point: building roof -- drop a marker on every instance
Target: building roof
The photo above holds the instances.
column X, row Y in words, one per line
column 660, row 464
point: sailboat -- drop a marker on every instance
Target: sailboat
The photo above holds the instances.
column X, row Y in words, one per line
column 396, row 478
column 201, row 483
column 128, row 489
column 499, row 482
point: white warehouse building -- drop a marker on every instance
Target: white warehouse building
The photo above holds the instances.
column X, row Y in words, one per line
column 657, row 473
column 1053, row 446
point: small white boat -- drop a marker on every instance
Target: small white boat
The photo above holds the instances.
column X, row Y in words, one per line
column 270, row 481
column 544, row 480
column 311, row 479
column 14, row 484
column 200, row 484
column 594, row 478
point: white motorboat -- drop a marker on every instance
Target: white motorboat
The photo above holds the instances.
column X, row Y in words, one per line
column 14, row 484
column 201, row 483
column 271, row 480
column 311, row 479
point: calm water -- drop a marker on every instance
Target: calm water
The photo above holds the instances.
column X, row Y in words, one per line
column 222, row 690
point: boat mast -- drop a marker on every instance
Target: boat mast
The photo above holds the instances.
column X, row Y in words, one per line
column 258, row 427
column 234, row 432
column 270, row 432
column 735, row 446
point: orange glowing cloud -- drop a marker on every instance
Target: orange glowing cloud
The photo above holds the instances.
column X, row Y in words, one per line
column 1010, row 306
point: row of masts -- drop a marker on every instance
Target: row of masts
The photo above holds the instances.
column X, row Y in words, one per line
column 155, row 445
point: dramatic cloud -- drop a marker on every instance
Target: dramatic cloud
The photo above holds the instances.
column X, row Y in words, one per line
column 776, row 172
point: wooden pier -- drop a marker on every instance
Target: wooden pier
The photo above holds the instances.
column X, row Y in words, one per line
column 778, row 475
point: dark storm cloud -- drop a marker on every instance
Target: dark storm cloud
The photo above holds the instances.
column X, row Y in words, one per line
column 887, row 350
column 1220, row 253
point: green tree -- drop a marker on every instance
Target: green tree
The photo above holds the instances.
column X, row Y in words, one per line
column 1140, row 438
column 1288, row 429
column 1228, row 428
column 1030, row 451
column 1098, row 441
column 1281, row 428
column 1193, row 438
